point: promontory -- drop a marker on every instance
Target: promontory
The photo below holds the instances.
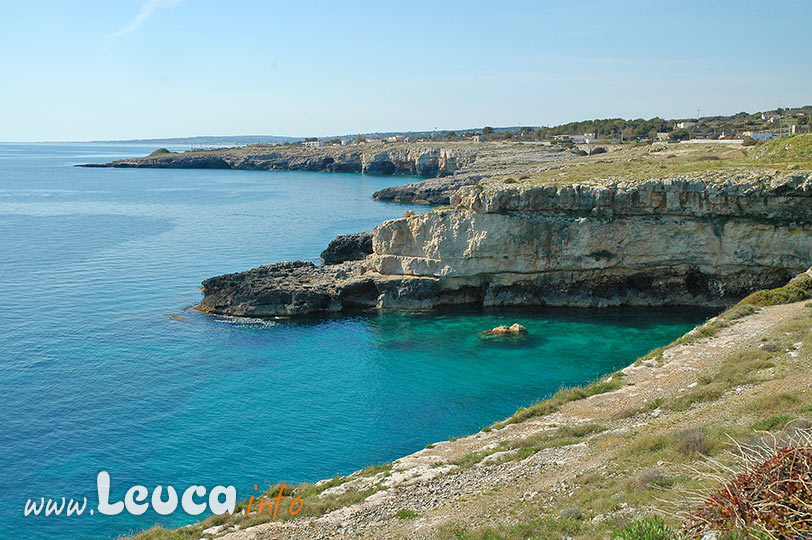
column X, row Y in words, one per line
column 531, row 225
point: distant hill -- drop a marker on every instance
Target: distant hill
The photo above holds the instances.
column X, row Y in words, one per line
column 608, row 128
column 242, row 140
column 211, row 140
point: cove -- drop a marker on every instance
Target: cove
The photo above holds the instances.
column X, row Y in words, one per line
column 97, row 377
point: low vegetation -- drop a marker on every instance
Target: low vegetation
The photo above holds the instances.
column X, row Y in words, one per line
column 652, row 528
column 796, row 290
column 672, row 468
column 795, row 148
column 771, row 493
column 563, row 396
column 712, row 163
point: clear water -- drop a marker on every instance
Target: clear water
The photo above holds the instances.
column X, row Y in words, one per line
column 95, row 375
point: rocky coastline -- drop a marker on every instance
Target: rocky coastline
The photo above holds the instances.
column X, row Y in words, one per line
column 660, row 242
column 442, row 167
column 707, row 238
column 530, row 225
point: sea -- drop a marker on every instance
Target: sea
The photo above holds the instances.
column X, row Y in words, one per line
column 105, row 366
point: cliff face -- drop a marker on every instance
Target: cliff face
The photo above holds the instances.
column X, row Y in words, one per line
column 663, row 242
column 640, row 225
column 427, row 161
column 658, row 242
column 775, row 197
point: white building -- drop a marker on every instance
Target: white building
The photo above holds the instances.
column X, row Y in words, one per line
column 770, row 135
column 586, row 138
column 312, row 143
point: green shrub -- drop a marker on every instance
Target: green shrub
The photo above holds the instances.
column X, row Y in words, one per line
column 796, row 290
column 406, row 514
column 650, row 528
column 773, row 422
column 572, row 512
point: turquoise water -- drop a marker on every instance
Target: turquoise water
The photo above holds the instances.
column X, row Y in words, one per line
column 96, row 376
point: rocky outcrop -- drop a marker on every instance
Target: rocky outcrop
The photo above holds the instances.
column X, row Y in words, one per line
column 431, row 191
column 518, row 160
column 664, row 242
column 348, row 247
column 514, row 329
column 299, row 288
column 415, row 160
column 289, row 288
column 652, row 243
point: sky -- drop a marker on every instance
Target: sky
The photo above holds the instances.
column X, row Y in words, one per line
column 74, row 70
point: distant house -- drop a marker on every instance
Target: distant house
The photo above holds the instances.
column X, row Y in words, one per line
column 586, row 138
column 771, row 134
column 764, row 135
column 312, row 143
column 475, row 138
column 771, row 118
column 685, row 124
column 662, row 136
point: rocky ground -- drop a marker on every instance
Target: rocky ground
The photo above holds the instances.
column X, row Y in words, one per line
column 492, row 161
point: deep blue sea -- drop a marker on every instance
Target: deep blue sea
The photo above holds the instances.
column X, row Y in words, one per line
column 95, row 375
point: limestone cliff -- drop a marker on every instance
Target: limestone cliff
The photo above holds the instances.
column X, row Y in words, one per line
column 660, row 242
column 418, row 160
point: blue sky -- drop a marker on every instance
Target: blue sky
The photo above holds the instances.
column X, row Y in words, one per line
column 162, row 68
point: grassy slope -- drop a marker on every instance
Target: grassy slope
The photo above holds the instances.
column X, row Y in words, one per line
column 711, row 162
column 760, row 386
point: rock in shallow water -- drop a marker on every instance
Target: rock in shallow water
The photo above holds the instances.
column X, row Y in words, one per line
column 514, row 329
column 287, row 288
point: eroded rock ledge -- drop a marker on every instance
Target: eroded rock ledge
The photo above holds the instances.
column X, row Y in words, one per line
column 661, row 242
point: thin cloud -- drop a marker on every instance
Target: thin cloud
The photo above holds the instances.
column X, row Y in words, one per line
column 147, row 9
